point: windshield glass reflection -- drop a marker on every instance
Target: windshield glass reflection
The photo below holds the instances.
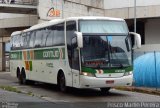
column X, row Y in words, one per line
column 105, row 52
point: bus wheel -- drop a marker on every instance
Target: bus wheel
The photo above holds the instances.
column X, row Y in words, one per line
column 18, row 75
column 18, row 72
column 62, row 82
column 105, row 90
column 22, row 79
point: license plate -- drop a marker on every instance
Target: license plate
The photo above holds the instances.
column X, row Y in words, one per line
column 109, row 81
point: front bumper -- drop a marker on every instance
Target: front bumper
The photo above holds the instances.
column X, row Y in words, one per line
column 94, row 82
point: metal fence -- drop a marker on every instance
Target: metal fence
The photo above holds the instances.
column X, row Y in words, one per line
column 19, row 2
column 147, row 69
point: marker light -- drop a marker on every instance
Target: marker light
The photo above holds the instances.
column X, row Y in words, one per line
column 128, row 73
column 87, row 74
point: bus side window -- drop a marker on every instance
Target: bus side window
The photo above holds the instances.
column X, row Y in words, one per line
column 44, row 36
column 12, row 42
column 72, row 53
column 19, row 41
column 32, row 39
column 25, row 40
column 49, row 37
column 16, row 42
column 58, row 38
column 38, row 39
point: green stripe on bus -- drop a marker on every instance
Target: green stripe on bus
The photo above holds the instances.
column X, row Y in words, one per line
column 41, row 54
column 113, row 70
column 16, row 55
column 56, row 53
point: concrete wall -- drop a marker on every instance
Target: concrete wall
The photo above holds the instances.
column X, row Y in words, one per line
column 2, row 56
column 21, row 21
column 10, row 15
column 152, row 32
column 91, row 3
column 128, row 12
column 73, row 9
column 125, row 9
column 112, row 4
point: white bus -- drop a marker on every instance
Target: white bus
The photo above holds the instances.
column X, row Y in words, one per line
column 80, row 52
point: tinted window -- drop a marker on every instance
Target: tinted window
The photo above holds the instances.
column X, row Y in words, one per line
column 32, row 39
column 38, row 38
column 25, row 40
column 11, row 42
column 73, row 54
column 58, row 38
column 16, row 42
column 49, row 37
column 44, row 36
column 70, row 29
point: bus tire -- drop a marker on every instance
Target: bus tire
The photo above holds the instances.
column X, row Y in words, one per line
column 18, row 72
column 22, row 79
column 61, row 81
column 105, row 90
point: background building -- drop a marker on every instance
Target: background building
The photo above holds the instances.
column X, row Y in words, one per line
column 148, row 18
column 21, row 14
column 14, row 15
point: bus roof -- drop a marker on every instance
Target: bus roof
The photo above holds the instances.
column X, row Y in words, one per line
column 57, row 21
column 94, row 18
column 16, row 33
column 45, row 24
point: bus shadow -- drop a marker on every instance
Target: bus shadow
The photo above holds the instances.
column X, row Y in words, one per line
column 71, row 91
column 93, row 93
column 76, row 92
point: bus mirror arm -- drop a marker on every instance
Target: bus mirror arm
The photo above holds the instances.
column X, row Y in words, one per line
column 79, row 39
column 137, row 40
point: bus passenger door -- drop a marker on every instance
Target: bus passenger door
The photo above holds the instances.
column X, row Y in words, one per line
column 75, row 66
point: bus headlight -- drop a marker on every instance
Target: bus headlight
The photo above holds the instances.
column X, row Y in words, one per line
column 87, row 74
column 128, row 73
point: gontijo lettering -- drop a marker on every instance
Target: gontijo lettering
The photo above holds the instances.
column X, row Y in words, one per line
column 50, row 54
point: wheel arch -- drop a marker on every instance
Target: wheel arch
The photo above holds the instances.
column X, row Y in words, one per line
column 60, row 71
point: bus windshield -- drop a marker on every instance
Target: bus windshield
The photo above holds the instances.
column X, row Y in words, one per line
column 105, row 52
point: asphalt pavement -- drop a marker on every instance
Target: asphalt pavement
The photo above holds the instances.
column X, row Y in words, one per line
column 17, row 100
column 42, row 95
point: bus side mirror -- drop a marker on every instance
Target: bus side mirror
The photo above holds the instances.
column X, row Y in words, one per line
column 137, row 40
column 79, row 39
